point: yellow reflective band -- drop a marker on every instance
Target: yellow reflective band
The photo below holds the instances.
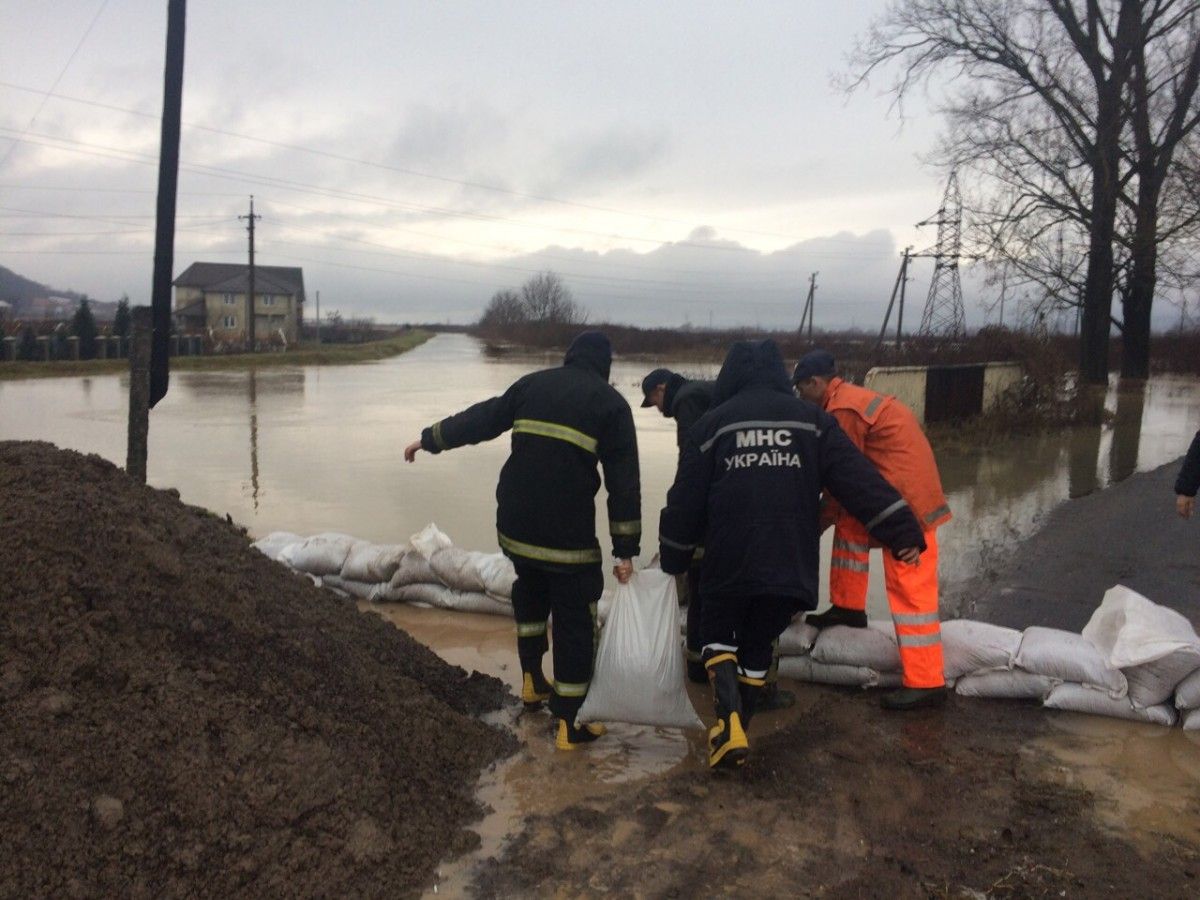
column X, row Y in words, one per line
column 564, row 689
column 530, row 629
column 549, row 554
column 437, row 436
column 699, row 554
column 557, row 432
column 634, row 526
column 753, row 682
column 720, row 658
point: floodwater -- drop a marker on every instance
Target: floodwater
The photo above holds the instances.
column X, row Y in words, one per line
column 320, row 449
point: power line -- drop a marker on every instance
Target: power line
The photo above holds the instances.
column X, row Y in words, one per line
column 46, row 95
column 398, row 169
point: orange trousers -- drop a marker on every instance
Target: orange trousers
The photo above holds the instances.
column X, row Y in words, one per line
column 912, row 593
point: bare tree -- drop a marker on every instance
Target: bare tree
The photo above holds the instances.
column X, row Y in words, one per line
column 1037, row 71
column 505, row 309
column 547, row 299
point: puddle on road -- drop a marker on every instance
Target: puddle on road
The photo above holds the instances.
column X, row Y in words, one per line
column 539, row 780
column 1145, row 778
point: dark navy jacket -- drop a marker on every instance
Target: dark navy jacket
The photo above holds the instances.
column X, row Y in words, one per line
column 749, row 486
column 1188, row 481
column 563, row 421
column 686, row 401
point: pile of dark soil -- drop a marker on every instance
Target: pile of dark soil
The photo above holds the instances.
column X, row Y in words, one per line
column 182, row 716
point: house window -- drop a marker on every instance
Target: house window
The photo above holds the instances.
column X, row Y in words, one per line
column 268, row 299
column 230, row 322
column 228, row 298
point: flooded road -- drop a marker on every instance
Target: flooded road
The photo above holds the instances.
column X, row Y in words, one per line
column 319, row 449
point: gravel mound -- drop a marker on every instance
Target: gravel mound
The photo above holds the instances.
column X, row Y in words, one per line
column 181, row 716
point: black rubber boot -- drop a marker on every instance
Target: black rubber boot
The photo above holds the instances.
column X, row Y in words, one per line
column 837, row 615
column 752, row 696
column 914, row 698
column 727, row 744
column 568, row 737
column 773, row 697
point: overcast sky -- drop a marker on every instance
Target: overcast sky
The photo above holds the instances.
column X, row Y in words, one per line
column 675, row 162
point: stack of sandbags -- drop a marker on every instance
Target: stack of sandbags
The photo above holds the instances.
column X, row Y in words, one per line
column 848, row 657
column 428, row 570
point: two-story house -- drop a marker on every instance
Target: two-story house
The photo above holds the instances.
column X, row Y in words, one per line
column 211, row 297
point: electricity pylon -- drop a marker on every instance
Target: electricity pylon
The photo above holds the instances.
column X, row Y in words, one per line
column 944, row 316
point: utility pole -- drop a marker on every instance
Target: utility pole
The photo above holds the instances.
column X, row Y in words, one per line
column 318, row 318
column 250, row 279
column 807, row 312
column 149, row 364
column 903, row 289
column 897, row 290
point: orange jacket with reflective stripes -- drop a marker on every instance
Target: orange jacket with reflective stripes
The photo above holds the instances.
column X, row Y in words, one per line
column 888, row 433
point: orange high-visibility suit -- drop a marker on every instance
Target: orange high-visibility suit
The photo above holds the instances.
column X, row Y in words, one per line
column 888, row 433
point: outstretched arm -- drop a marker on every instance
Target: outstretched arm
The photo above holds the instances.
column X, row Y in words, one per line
column 481, row 422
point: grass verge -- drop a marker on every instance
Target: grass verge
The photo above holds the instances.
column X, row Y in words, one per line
column 321, row 355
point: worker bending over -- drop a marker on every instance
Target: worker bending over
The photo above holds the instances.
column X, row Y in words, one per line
column 564, row 421
column 888, row 433
column 748, row 488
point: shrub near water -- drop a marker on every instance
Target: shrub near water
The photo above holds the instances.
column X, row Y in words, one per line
column 183, row 716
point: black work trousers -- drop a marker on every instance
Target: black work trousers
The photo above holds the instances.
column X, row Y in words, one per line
column 746, row 626
column 568, row 599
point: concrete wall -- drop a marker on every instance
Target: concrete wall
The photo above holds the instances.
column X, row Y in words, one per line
column 905, row 383
column 908, row 383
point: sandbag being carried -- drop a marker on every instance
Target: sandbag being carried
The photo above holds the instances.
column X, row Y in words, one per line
column 1005, row 684
column 372, row 563
column 1068, row 657
column 970, row 647
column 1154, row 647
column 1085, row 699
column 805, row 668
column 869, row 648
column 321, row 554
column 639, row 674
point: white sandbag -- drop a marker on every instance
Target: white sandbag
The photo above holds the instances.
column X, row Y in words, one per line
column 870, row 648
column 1191, row 720
column 429, row 540
column 321, row 554
column 1155, row 647
column 969, row 647
column 1085, row 699
column 413, row 569
column 275, row 543
column 1187, row 694
column 797, row 639
column 459, row 569
column 441, row 597
column 805, row 668
column 372, row 563
column 497, row 573
column 639, row 672
column 358, row 589
column 1069, row 657
column 1005, row 684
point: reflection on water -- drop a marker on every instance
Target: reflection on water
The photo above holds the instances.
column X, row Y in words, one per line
column 320, row 449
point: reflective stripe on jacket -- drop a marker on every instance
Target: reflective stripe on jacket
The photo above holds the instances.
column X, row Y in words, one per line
column 888, row 433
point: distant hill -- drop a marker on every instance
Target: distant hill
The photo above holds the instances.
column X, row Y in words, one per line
column 26, row 295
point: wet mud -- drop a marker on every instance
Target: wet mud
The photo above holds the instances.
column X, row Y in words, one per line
column 180, row 716
column 839, row 799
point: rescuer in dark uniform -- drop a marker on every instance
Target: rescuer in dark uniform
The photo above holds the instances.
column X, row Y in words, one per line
column 564, row 421
column 748, row 488
column 686, row 400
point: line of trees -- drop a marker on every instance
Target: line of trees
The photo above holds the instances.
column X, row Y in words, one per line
column 1073, row 126
column 544, row 299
